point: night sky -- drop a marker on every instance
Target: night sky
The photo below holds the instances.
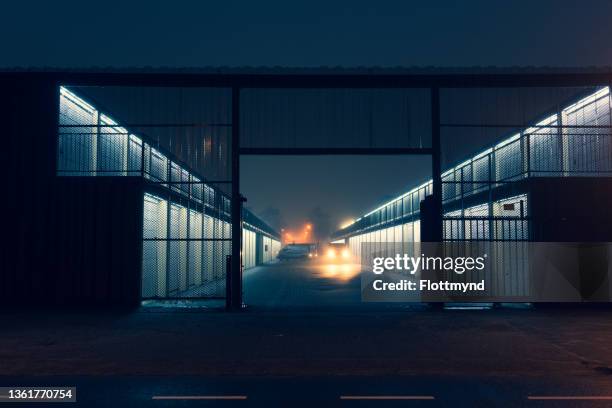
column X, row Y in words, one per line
column 325, row 190
column 306, row 33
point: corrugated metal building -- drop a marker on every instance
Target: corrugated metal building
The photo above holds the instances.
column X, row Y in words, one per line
column 547, row 182
column 78, row 239
column 186, row 220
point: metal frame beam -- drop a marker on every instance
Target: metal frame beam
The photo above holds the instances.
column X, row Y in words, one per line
column 436, row 164
column 338, row 80
column 234, row 289
column 336, row 151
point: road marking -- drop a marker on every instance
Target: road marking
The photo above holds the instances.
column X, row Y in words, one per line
column 570, row 397
column 199, row 397
column 387, row 397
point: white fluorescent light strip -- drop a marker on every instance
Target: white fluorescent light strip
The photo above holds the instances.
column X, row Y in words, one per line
column 75, row 99
column 153, row 197
column 481, row 154
column 507, row 141
column 587, row 100
column 542, row 124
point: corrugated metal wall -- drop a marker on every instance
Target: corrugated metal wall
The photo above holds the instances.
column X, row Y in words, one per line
column 576, row 141
column 186, row 222
column 323, row 118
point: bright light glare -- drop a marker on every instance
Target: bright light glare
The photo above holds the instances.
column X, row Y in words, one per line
column 310, row 255
column 347, row 223
column 341, row 273
column 331, row 253
column 345, row 253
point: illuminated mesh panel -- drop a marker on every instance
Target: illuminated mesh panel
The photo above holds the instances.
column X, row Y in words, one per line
column 183, row 251
column 509, row 160
column 481, row 176
column 177, row 253
column 589, row 149
column 545, row 148
column 209, row 250
column 505, row 213
column 575, row 141
column 112, row 148
column 453, row 225
column 76, row 136
column 477, row 229
column 195, row 250
column 186, row 221
column 154, row 251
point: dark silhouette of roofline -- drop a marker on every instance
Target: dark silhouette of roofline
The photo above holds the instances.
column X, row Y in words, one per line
column 320, row 79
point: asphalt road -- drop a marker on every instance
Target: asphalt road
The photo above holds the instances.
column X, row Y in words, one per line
column 414, row 391
column 309, row 285
column 306, row 339
column 302, row 283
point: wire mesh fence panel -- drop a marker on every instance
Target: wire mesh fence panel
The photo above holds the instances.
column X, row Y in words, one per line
column 119, row 131
column 506, row 219
column 526, row 133
column 112, row 148
column 589, row 148
column 186, row 240
column 484, row 228
column 78, row 122
column 545, row 145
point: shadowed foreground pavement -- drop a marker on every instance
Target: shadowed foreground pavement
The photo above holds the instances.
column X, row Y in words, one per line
column 495, row 354
column 297, row 355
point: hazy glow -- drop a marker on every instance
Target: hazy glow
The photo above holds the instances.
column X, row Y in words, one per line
column 347, row 223
column 339, row 272
column 303, row 235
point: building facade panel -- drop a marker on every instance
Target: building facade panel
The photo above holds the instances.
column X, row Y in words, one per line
column 484, row 197
column 186, row 222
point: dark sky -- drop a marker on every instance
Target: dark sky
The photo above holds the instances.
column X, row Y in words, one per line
column 306, row 33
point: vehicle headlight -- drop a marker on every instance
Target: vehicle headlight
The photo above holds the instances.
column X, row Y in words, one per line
column 331, row 253
column 345, row 253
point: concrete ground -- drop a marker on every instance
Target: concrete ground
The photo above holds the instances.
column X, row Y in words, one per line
column 470, row 358
column 290, row 356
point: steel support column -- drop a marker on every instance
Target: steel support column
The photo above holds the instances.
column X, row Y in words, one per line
column 436, row 167
column 234, row 289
